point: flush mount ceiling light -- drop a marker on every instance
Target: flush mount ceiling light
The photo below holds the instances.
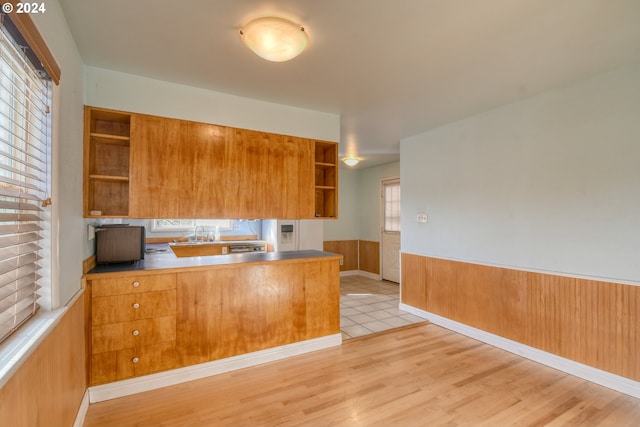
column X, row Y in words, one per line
column 274, row 39
column 351, row 161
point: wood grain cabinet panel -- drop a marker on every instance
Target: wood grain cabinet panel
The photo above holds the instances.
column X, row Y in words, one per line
column 248, row 172
column 132, row 285
column 232, row 311
column 298, row 175
column 129, row 307
column 133, row 329
column 118, row 336
column 177, row 169
column 132, row 362
column 169, row 168
column 269, row 175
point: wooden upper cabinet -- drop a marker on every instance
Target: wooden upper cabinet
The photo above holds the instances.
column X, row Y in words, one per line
column 326, row 179
column 270, row 176
column 177, row 169
column 247, row 164
column 298, row 175
column 106, row 163
column 156, row 167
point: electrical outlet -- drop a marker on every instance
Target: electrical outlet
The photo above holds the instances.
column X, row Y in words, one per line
column 341, row 261
column 422, row 217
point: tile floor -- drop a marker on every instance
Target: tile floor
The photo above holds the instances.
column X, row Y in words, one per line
column 368, row 306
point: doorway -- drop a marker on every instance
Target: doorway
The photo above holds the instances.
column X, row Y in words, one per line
column 390, row 239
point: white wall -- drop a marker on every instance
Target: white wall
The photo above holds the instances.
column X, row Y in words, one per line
column 127, row 92
column 369, row 202
column 346, row 226
column 359, row 203
column 551, row 183
column 67, row 122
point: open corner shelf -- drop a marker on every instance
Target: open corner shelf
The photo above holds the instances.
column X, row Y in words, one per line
column 326, row 179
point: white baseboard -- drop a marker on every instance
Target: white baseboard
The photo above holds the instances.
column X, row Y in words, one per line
column 606, row 379
column 349, row 273
column 82, row 410
column 360, row 273
column 176, row 376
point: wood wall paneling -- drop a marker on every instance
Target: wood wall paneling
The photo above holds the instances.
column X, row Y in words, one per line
column 347, row 248
column 590, row 322
column 369, row 255
column 49, row 387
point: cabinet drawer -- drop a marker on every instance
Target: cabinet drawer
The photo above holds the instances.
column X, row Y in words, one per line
column 126, row 308
column 119, row 336
column 132, row 285
column 132, row 362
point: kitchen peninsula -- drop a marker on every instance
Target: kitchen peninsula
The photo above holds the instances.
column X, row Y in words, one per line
column 166, row 313
column 176, row 310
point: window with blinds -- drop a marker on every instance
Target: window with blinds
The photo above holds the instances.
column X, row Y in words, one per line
column 25, row 94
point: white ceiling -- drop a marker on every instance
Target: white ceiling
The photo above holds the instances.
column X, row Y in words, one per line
column 390, row 68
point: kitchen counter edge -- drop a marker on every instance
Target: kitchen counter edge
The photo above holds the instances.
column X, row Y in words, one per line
column 167, row 262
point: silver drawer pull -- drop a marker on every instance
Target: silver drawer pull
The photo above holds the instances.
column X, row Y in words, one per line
column 136, row 333
column 136, row 305
column 136, row 284
column 135, row 360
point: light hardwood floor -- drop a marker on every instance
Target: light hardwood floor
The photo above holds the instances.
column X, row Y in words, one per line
column 419, row 375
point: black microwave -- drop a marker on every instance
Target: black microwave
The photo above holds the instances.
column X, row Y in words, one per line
column 119, row 243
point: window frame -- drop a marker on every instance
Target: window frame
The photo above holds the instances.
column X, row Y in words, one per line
column 222, row 224
column 395, row 202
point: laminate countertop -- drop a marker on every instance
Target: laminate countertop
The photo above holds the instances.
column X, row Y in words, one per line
column 157, row 259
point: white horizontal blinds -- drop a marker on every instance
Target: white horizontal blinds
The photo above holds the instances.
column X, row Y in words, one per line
column 24, row 178
column 392, row 207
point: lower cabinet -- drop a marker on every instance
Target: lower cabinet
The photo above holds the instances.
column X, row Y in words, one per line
column 231, row 311
column 209, row 314
column 133, row 327
column 132, row 362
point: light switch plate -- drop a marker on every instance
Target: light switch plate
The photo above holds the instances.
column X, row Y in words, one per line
column 91, row 232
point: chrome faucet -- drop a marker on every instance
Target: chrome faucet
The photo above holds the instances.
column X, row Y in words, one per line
column 195, row 232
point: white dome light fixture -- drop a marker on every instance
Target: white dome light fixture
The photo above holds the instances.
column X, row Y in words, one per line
column 274, row 39
column 351, row 160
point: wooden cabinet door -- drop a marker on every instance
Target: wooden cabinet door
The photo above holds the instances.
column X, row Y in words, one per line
column 177, row 169
column 225, row 312
column 269, row 176
column 249, row 171
column 298, row 177
column 182, row 169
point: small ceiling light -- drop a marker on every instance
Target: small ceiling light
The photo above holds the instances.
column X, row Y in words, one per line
column 351, row 161
column 274, row 39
